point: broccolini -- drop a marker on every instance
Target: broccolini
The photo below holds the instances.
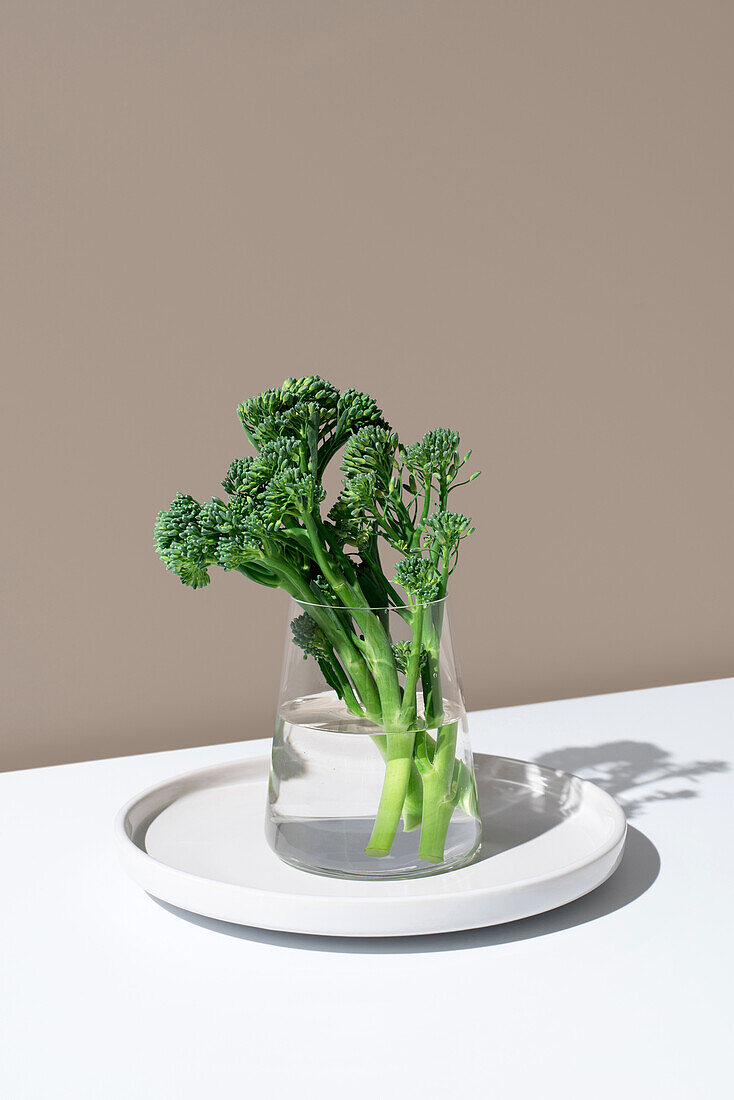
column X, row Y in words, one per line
column 272, row 529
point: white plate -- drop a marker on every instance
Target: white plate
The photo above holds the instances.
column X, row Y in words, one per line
column 197, row 842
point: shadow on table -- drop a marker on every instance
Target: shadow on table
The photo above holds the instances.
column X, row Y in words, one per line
column 636, row 773
column 509, row 821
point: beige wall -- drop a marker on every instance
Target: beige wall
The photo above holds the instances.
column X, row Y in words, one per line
column 513, row 218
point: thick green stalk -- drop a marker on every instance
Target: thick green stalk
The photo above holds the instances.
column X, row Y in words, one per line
column 439, row 796
column 446, row 780
column 413, row 805
column 397, row 797
column 397, row 775
column 384, row 670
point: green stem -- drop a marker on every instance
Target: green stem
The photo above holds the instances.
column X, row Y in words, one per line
column 360, row 674
column 384, row 670
column 415, row 540
column 340, row 682
column 392, row 598
column 426, row 689
column 413, row 805
column 394, row 789
column 397, row 797
column 350, row 595
column 382, row 660
column 439, row 796
column 408, row 711
column 432, row 679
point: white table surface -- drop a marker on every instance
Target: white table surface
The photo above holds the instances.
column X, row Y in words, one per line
column 106, row 994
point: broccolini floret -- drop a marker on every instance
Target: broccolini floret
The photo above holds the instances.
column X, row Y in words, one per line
column 402, row 652
column 309, row 637
column 419, row 578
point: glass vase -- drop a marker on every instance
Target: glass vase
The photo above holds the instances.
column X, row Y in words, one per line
column 371, row 774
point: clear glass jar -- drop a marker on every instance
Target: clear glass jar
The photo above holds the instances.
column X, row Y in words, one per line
column 371, row 774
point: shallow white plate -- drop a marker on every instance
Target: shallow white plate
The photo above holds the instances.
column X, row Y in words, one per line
column 197, row 842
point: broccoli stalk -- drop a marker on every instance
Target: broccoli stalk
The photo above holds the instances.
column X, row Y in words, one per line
column 272, row 531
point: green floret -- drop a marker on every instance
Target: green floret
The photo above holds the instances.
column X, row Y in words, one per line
column 368, row 463
column 356, row 410
column 447, row 529
column 291, row 422
column 401, row 653
column 270, row 403
column 309, row 637
column 434, row 454
column 289, row 410
column 240, row 535
column 371, row 451
column 250, row 477
column 186, row 540
column 277, row 455
column 313, row 391
column 281, row 453
column 323, row 591
column 359, row 494
column 238, row 478
column 351, row 526
column 291, row 493
column 434, row 463
column 418, row 577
